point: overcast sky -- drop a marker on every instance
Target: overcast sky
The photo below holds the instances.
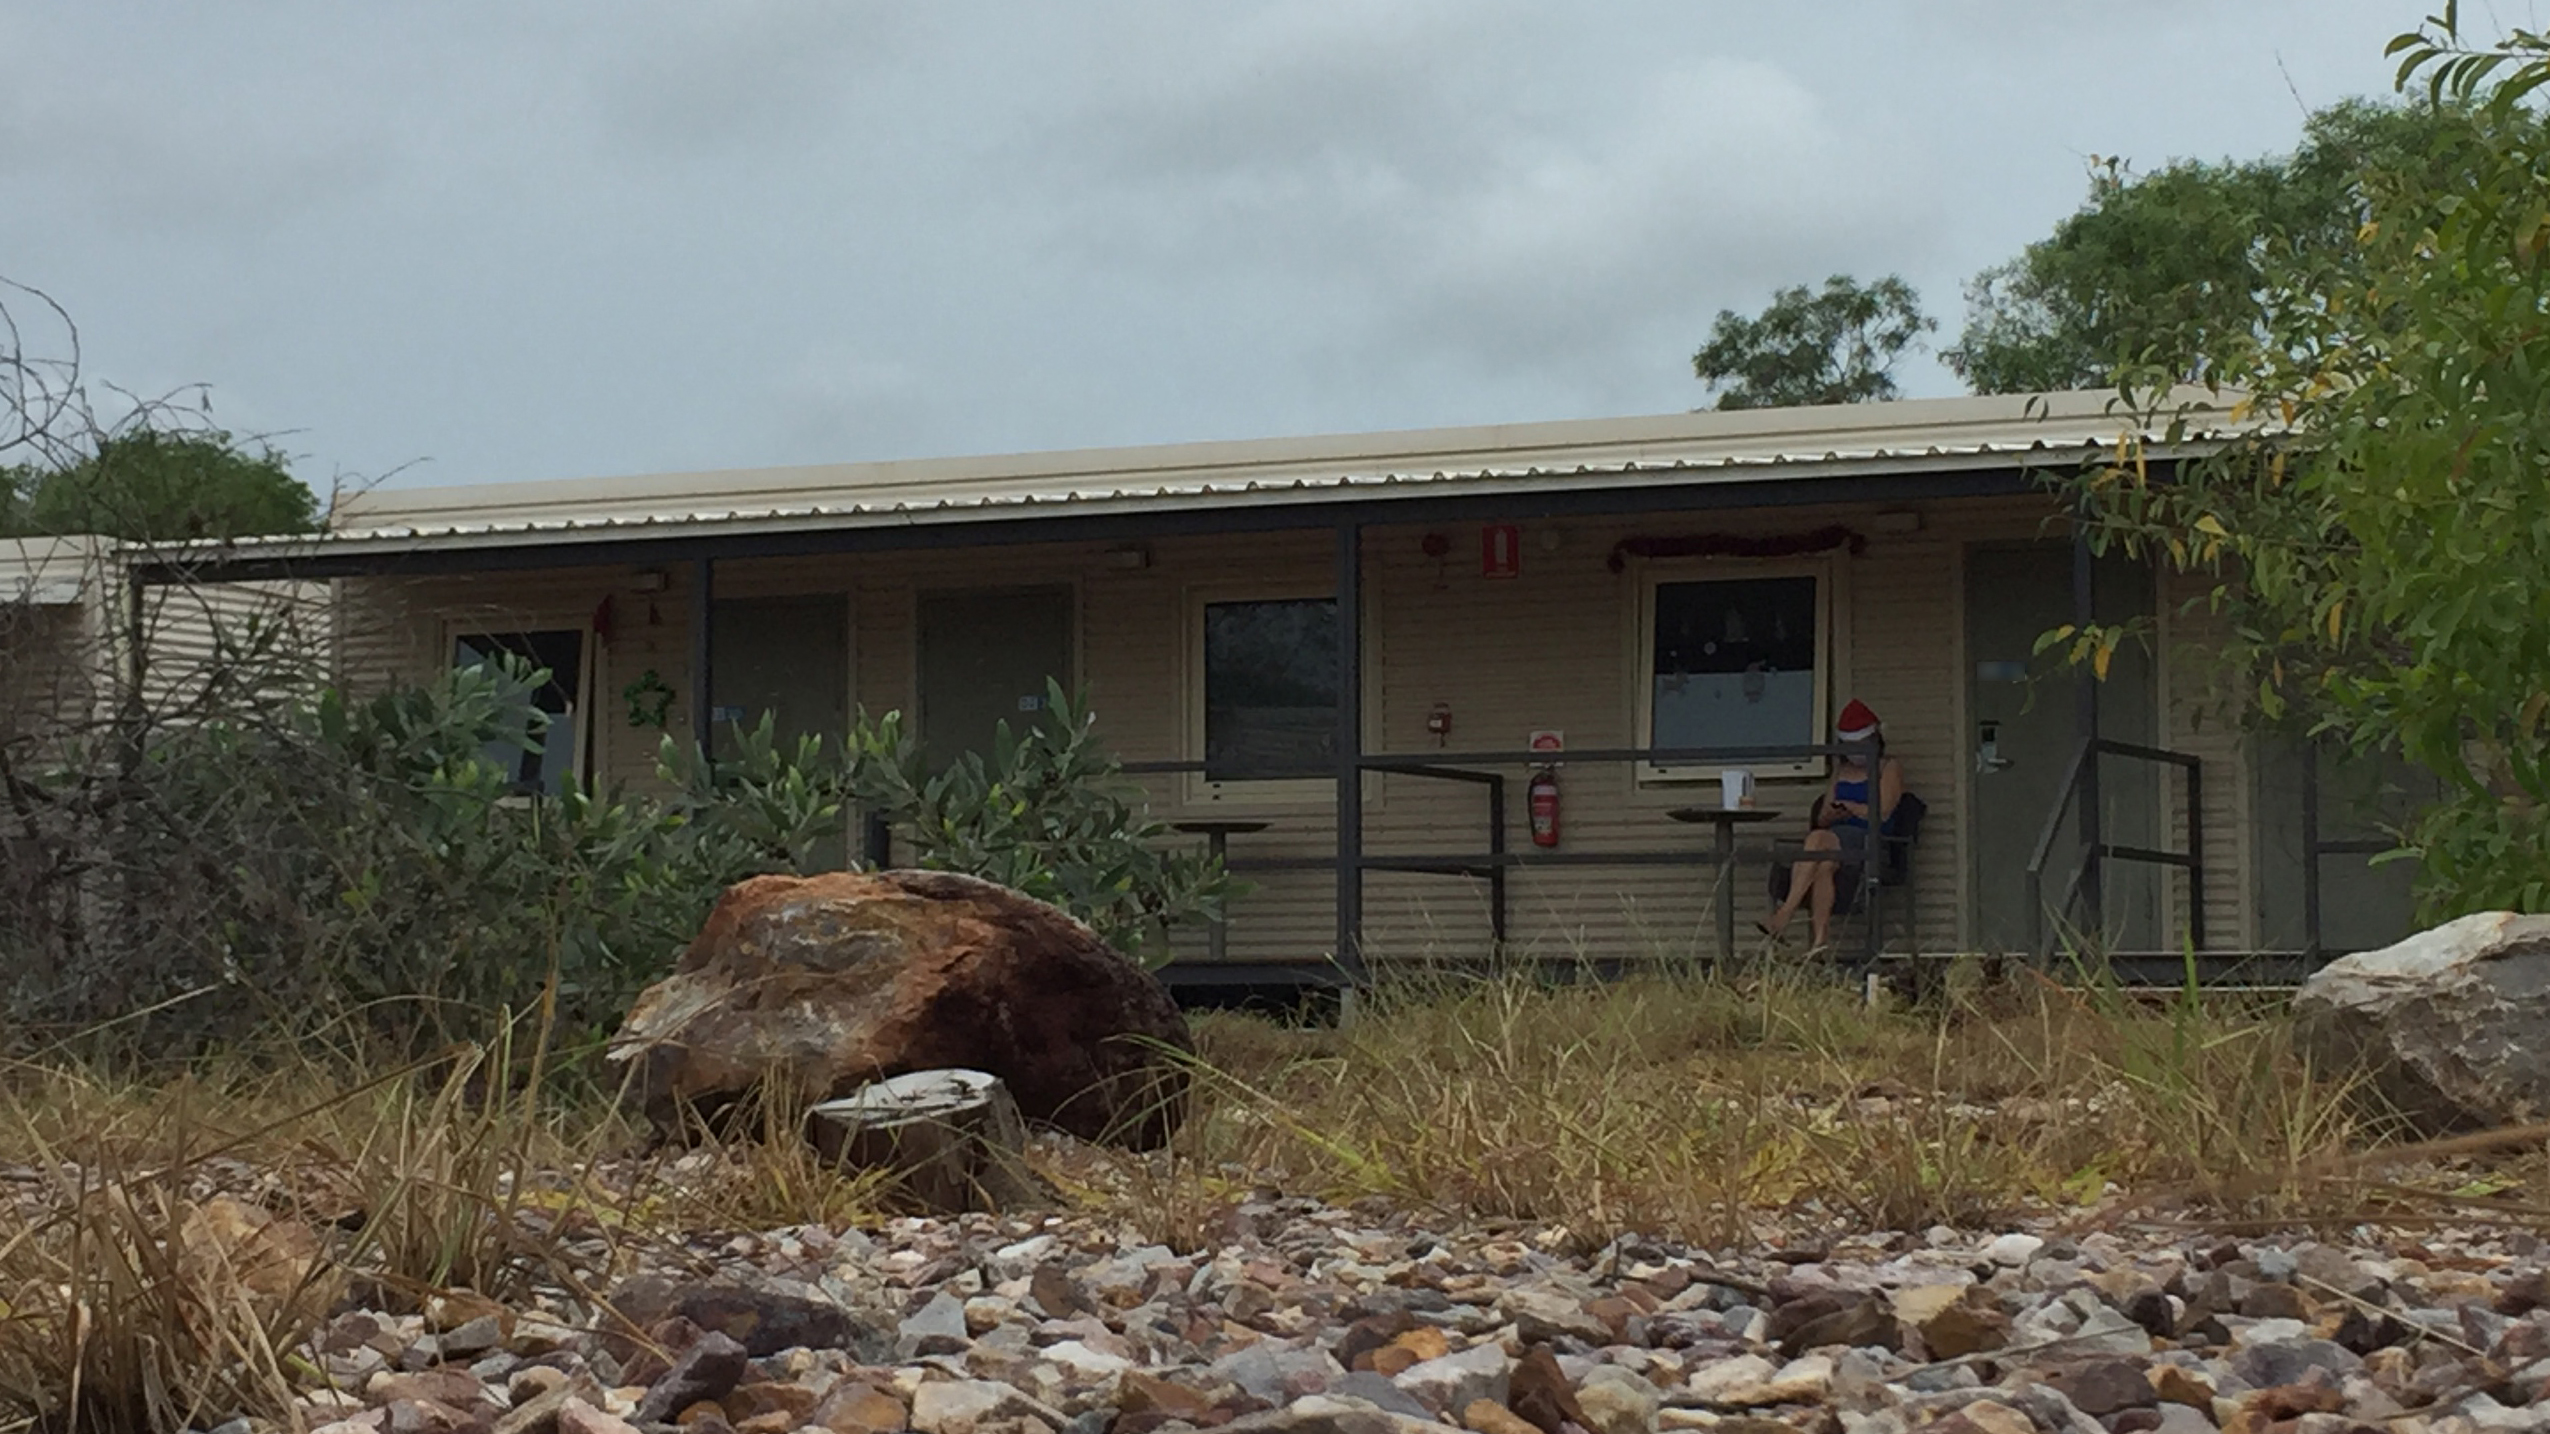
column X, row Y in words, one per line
column 502, row 241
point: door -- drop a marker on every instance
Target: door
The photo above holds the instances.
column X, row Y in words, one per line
column 985, row 656
column 787, row 656
column 2364, row 903
column 2023, row 740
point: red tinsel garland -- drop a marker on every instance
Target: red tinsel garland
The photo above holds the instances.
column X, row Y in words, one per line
column 1738, row 545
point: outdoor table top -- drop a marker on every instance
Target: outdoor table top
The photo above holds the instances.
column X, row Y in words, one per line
column 1733, row 816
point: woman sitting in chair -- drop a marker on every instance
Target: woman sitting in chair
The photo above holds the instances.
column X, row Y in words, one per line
column 1839, row 825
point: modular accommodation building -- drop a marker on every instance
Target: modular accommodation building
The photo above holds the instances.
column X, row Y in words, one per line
column 57, row 618
column 82, row 644
column 1351, row 653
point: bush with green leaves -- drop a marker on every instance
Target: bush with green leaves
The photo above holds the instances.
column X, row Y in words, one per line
column 307, row 859
column 1050, row 814
column 292, row 858
column 2380, row 557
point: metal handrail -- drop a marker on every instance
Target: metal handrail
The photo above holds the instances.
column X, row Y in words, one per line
column 2062, row 805
column 1494, row 865
column 2099, row 850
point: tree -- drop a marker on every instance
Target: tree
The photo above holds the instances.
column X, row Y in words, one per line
column 2381, row 557
column 2168, row 270
column 146, row 482
column 1836, row 345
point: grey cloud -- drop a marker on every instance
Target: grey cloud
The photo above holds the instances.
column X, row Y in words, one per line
column 583, row 237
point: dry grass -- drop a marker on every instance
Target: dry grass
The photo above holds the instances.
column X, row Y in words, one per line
column 165, row 1243
column 1698, row 1106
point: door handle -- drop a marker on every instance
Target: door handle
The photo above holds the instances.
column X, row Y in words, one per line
column 1987, row 750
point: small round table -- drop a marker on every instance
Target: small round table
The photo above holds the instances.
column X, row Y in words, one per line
column 1726, row 820
column 1217, row 841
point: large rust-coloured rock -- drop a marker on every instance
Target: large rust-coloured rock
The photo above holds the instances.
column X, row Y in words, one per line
column 831, row 982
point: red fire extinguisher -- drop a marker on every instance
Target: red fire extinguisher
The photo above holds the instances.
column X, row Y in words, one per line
column 1544, row 807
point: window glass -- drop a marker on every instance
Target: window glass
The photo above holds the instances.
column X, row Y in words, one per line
column 553, row 766
column 1270, row 689
column 1733, row 663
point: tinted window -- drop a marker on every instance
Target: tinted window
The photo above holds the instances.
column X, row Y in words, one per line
column 1734, row 663
column 561, row 655
column 1270, row 689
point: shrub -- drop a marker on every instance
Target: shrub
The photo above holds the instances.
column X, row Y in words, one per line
column 1050, row 814
column 290, row 857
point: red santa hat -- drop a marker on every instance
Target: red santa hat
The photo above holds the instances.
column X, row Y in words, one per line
column 1857, row 723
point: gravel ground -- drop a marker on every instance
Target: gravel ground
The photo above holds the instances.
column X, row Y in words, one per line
column 1310, row 1318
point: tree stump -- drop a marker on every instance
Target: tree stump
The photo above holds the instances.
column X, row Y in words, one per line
column 950, row 1139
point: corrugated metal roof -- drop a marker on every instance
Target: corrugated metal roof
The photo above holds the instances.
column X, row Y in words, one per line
column 1713, row 446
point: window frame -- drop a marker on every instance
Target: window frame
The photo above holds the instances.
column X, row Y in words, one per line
column 1653, row 574
column 580, row 714
column 1270, row 793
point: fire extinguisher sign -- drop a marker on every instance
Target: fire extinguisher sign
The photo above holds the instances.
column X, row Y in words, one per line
column 1500, row 551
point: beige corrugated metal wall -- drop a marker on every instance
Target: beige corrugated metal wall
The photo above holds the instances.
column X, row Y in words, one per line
column 2200, row 721
column 1551, row 648
column 275, row 634
column 67, row 628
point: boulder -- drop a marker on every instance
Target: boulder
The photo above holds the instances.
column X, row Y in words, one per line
column 847, row 978
column 2450, row 1024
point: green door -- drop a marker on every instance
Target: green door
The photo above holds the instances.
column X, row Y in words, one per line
column 786, row 656
column 985, row 657
column 2023, row 738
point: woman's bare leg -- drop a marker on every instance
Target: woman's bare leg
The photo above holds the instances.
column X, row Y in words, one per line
column 1819, row 921
column 1809, row 880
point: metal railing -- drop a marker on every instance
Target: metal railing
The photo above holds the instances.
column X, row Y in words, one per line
column 2096, row 851
column 1498, row 859
column 2317, row 848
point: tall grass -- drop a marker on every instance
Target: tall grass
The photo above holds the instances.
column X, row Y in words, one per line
column 1696, row 1105
column 168, row 1245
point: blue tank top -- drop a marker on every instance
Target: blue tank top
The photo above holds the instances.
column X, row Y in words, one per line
column 1851, row 792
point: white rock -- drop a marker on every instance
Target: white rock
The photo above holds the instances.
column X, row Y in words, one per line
column 1919, row 1304
column 1088, row 1364
column 2487, row 1414
column 1318, row 1410
column 1451, row 1381
column 942, row 1318
column 1619, row 1402
column 2179, row 1419
column 2013, row 1250
column 2449, row 1022
column 957, row 1406
column 1802, row 1381
column 2104, row 1331
column 1716, row 1383
column 2269, row 1331
column 1749, row 1381
column 1539, row 1314
column 1026, row 1252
